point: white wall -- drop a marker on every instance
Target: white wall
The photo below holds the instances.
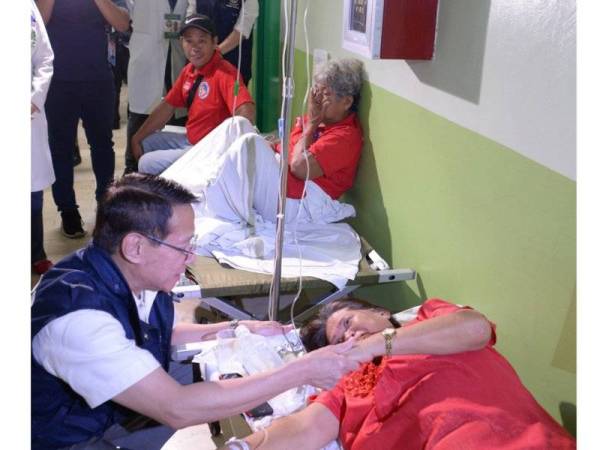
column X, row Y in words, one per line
column 502, row 68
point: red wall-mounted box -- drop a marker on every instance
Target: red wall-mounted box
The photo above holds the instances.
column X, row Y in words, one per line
column 390, row 29
column 408, row 29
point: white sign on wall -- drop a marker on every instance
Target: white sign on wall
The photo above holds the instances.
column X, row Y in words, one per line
column 361, row 32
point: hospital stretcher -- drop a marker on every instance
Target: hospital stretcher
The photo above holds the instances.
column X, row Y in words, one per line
column 215, row 284
column 206, row 366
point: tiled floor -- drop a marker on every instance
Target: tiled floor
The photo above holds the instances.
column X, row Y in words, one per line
column 57, row 246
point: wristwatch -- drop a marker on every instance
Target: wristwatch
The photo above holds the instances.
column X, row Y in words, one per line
column 388, row 335
column 234, row 323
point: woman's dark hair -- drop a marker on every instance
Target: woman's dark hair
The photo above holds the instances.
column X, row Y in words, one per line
column 137, row 203
column 313, row 333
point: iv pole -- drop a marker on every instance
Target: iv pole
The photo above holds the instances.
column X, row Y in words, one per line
column 284, row 129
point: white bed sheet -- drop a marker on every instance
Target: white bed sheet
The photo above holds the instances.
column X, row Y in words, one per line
column 329, row 251
column 226, row 355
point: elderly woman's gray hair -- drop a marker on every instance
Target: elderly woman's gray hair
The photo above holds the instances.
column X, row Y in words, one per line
column 343, row 77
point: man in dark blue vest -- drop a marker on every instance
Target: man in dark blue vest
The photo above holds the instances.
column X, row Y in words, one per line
column 233, row 18
column 102, row 324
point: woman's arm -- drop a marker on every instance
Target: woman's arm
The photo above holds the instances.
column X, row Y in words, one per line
column 462, row 331
column 302, row 166
column 247, row 110
column 307, row 167
column 312, row 428
column 230, row 42
column 243, row 26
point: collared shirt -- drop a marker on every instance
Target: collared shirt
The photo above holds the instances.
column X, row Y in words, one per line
column 214, row 100
column 337, row 150
column 144, row 303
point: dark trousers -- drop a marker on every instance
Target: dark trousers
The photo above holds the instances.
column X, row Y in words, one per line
column 120, row 76
column 134, row 122
column 92, row 102
column 37, row 227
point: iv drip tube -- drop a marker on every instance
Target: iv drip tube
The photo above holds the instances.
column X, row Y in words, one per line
column 284, row 129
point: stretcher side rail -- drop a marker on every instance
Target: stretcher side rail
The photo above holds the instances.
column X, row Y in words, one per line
column 216, row 282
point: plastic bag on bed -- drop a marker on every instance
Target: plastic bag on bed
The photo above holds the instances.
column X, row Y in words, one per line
column 252, row 353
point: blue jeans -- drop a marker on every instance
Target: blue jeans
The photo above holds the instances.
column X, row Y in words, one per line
column 92, row 102
column 161, row 150
column 134, row 122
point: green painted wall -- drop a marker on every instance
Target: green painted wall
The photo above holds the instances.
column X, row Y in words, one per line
column 481, row 224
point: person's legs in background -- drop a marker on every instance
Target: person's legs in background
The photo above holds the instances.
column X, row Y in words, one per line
column 63, row 108
column 120, row 77
column 117, row 99
column 39, row 260
column 97, row 118
column 134, row 122
column 175, row 120
column 161, row 150
column 77, row 154
column 158, row 161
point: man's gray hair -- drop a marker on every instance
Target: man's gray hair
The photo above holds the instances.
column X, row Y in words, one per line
column 343, row 77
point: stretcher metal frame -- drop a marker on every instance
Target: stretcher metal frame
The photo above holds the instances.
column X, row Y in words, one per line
column 215, row 283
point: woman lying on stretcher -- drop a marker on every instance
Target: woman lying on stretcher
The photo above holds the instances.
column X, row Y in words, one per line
column 434, row 383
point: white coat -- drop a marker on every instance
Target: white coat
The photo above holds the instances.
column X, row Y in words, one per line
column 42, row 56
column 148, row 53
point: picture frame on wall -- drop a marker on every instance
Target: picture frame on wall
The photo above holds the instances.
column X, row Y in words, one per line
column 361, row 31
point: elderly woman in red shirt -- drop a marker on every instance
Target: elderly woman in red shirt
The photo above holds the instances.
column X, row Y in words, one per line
column 247, row 170
column 435, row 382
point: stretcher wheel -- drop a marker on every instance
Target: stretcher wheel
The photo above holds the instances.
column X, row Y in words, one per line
column 215, row 428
